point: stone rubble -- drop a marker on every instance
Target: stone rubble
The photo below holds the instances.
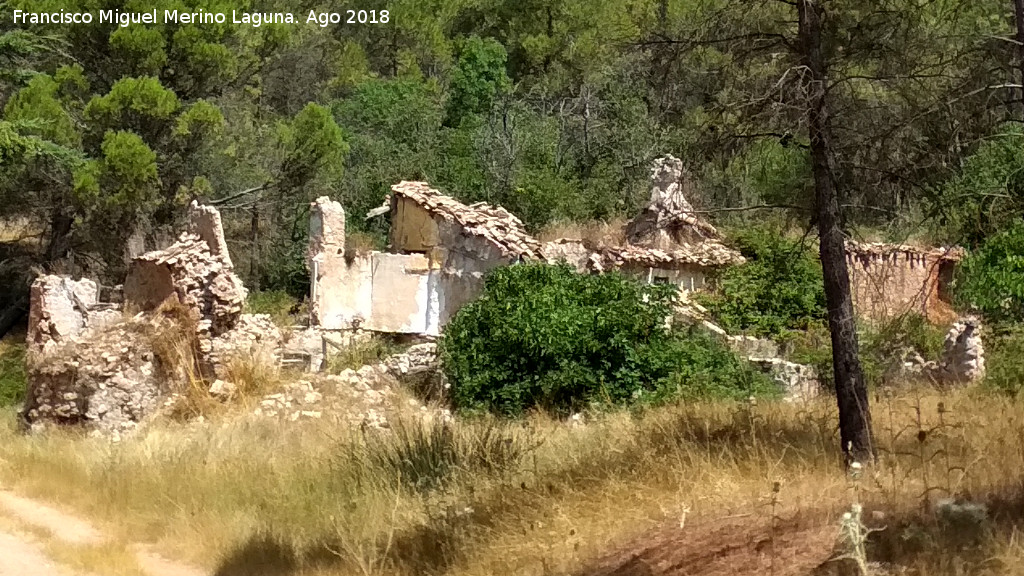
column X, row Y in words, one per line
column 89, row 365
column 254, row 337
column 669, row 219
column 799, row 382
column 963, row 356
column 61, row 309
column 367, row 394
column 111, row 379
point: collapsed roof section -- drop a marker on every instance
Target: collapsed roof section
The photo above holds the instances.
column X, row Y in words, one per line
column 705, row 254
column 495, row 224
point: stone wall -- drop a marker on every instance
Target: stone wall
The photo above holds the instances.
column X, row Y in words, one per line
column 963, row 355
column 890, row 281
column 335, row 298
column 88, row 364
column 61, row 309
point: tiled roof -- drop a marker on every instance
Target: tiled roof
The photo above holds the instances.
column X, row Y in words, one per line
column 883, row 250
column 708, row 253
column 496, row 224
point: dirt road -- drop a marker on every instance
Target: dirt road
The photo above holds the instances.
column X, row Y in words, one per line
column 22, row 555
column 19, row 556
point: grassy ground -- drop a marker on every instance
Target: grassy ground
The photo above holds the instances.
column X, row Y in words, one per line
column 531, row 497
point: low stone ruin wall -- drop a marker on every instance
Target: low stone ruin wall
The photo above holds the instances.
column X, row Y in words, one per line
column 108, row 367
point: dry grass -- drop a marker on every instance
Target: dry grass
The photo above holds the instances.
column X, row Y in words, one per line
column 595, row 233
column 360, row 352
column 533, row 496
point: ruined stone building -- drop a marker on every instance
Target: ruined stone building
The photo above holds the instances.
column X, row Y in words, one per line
column 440, row 251
column 889, row 280
column 108, row 361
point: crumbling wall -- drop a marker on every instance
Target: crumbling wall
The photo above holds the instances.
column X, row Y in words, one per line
column 61, row 309
column 413, row 229
column 963, row 355
column 336, row 283
column 254, row 338
column 189, row 304
column 669, row 219
column 685, row 278
column 468, row 260
column 891, row 283
column 110, row 379
column 405, row 294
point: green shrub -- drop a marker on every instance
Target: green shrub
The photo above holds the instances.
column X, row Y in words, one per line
column 991, row 277
column 779, row 288
column 279, row 304
column 12, row 374
column 1004, row 362
column 882, row 347
column 545, row 336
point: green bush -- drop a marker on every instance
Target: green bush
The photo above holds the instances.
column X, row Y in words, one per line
column 12, row 374
column 882, row 347
column 1004, row 362
column 545, row 336
column 779, row 288
column 991, row 277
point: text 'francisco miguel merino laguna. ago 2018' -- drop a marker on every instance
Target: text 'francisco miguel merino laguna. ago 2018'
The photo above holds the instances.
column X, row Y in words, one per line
column 255, row 19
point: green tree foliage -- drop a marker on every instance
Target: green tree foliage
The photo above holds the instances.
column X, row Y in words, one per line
column 991, row 278
column 545, row 336
column 988, row 194
column 477, row 79
column 779, row 287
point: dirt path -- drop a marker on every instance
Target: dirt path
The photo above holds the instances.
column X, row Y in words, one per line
column 738, row 545
column 68, row 528
column 19, row 556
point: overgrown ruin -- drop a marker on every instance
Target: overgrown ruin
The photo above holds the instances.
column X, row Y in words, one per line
column 110, row 365
column 178, row 318
column 890, row 280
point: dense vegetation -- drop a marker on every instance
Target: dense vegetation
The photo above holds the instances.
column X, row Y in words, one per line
column 779, row 288
column 548, row 337
column 553, row 109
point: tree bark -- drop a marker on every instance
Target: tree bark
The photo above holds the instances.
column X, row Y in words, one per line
column 60, row 235
column 851, row 391
column 254, row 248
column 1018, row 13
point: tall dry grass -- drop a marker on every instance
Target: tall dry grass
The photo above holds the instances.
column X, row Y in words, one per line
column 485, row 496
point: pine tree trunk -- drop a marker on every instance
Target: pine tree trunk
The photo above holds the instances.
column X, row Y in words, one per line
column 254, row 248
column 851, row 390
column 1018, row 13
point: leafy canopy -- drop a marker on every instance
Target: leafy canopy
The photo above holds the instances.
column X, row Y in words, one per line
column 991, row 277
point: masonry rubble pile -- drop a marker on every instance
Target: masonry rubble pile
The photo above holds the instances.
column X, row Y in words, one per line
column 88, row 364
column 669, row 219
column 364, row 394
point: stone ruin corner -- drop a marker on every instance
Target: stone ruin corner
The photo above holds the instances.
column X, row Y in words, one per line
column 98, row 363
